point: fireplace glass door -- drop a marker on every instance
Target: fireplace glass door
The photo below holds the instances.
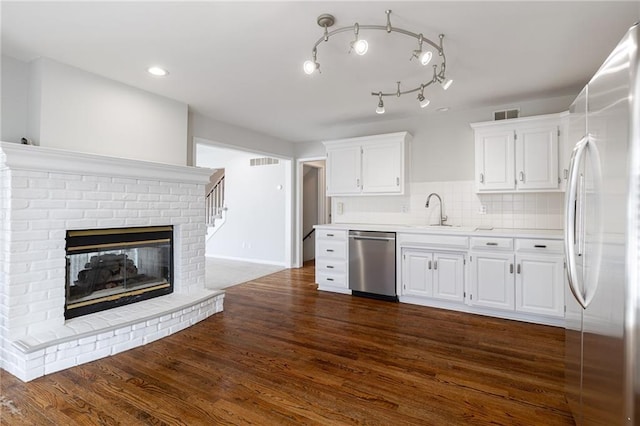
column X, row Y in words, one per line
column 113, row 267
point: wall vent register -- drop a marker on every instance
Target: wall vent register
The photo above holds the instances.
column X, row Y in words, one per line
column 107, row 268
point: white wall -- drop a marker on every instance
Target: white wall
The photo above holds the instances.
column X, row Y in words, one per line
column 13, row 92
column 257, row 225
column 71, row 109
column 207, row 128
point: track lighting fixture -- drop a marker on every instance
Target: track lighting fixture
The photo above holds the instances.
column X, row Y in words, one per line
column 360, row 47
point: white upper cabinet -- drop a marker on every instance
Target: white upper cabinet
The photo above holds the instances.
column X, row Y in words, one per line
column 371, row 165
column 343, row 170
column 518, row 155
column 494, row 160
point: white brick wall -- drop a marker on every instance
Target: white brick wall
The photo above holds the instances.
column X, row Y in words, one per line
column 38, row 206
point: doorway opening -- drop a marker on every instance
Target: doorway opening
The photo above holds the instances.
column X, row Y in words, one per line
column 314, row 206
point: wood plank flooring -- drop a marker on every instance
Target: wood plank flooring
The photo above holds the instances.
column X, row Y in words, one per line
column 283, row 353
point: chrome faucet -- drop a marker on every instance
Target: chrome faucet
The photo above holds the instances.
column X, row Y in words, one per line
column 441, row 218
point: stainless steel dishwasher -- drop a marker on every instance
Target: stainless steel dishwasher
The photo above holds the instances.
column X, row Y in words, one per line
column 372, row 264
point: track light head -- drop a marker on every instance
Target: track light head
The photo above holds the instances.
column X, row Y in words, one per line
column 310, row 66
column 446, row 83
column 360, row 46
column 425, row 57
column 357, row 45
column 424, row 102
column 380, row 108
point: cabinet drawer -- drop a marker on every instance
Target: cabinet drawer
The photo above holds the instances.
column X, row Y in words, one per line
column 331, row 249
column 492, row 243
column 328, row 234
column 437, row 241
column 331, row 266
column 540, row 246
column 334, row 280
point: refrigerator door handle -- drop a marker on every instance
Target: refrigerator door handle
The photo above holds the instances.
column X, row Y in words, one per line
column 571, row 210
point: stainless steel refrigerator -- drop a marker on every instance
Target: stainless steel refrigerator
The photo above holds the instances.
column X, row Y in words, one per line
column 602, row 208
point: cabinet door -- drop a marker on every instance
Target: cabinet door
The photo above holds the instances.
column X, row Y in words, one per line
column 416, row 273
column 448, row 276
column 343, row 171
column 537, row 158
column 382, row 167
column 540, row 284
column 493, row 280
column 495, row 160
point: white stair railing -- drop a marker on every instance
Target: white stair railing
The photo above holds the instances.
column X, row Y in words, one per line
column 214, row 203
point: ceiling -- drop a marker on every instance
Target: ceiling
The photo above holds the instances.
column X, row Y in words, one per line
column 241, row 62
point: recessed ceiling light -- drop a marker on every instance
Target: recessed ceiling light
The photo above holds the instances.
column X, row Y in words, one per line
column 157, row 71
column 442, row 109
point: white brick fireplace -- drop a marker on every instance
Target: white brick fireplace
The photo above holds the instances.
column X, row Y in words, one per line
column 45, row 192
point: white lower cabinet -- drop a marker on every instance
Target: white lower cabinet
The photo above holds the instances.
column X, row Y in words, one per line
column 492, row 280
column 540, row 284
column 506, row 277
column 529, row 281
column 436, row 275
column 332, row 260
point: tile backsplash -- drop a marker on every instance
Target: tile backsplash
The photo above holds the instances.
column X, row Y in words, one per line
column 462, row 205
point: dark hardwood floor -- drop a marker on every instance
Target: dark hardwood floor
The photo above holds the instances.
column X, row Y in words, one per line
column 284, row 353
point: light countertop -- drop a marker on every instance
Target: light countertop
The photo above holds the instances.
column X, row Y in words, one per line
column 449, row 230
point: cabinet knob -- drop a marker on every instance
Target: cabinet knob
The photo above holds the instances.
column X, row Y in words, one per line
column 521, row 176
column 481, row 177
column 518, row 269
column 435, row 264
column 429, row 267
column 511, row 268
column 358, row 183
column 397, row 181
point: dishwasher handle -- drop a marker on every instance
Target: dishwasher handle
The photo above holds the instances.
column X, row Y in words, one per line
column 371, row 238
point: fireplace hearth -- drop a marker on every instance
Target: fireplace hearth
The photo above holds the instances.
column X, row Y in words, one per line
column 107, row 268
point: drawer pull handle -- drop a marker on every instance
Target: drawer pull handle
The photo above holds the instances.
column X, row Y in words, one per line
column 329, row 267
column 329, row 279
column 540, row 246
column 329, row 250
column 492, row 244
column 330, row 235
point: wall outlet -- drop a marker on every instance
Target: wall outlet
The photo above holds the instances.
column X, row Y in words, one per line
column 340, row 208
column 482, row 209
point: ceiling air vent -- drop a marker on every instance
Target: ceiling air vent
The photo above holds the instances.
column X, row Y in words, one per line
column 507, row 113
column 264, row 161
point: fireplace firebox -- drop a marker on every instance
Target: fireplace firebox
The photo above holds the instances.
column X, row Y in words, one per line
column 113, row 267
